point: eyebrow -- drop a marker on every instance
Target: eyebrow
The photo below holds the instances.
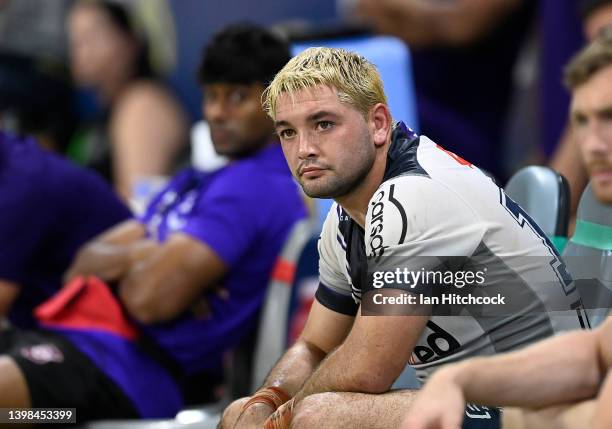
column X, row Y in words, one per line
column 311, row 118
column 603, row 111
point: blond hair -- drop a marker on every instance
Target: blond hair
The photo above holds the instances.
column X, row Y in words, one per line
column 355, row 79
column 588, row 61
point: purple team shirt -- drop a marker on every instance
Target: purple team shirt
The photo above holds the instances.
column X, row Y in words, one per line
column 244, row 213
column 48, row 209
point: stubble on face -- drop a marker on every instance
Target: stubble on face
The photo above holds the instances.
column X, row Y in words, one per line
column 335, row 161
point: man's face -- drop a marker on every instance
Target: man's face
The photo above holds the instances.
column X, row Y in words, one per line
column 327, row 143
column 591, row 117
column 238, row 124
column 597, row 21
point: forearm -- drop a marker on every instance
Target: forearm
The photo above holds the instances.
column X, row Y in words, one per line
column 295, row 367
column 523, row 378
column 8, row 293
column 110, row 255
column 109, row 261
column 357, row 364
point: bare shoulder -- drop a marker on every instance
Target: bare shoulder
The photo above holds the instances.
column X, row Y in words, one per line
column 147, row 95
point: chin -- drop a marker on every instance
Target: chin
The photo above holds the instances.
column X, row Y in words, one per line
column 603, row 194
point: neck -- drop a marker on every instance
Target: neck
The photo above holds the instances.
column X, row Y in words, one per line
column 356, row 202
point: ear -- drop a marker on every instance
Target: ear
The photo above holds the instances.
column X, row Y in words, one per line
column 380, row 123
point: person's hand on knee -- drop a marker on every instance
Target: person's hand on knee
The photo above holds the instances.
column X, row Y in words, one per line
column 231, row 413
column 254, row 411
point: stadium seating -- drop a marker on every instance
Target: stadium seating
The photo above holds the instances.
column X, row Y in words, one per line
column 544, row 194
column 588, row 256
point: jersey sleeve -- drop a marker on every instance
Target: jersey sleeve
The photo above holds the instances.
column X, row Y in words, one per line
column 334, row 291
column 415, row 224
column 225, row 220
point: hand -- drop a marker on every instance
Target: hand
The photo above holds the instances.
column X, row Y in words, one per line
column 98, row 259
column 439, row 405
column 252, row 418
column 281, row 418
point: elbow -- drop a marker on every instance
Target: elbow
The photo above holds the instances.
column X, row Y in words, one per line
column 372, row 381
column 374, row 385
column 588, row 371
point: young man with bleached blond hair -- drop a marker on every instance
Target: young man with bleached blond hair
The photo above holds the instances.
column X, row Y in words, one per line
column 405, row 208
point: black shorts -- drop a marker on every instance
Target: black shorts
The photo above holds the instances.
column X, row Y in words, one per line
column 59, row 375
column 480, row 417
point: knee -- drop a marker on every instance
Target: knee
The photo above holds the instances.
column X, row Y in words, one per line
column 231, row 413
column 313, row 412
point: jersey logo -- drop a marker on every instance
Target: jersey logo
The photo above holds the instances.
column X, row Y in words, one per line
column 440, row 342
column 377, row 247
column 41, row 354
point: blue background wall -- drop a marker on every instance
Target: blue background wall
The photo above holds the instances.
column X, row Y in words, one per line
column 197, row 20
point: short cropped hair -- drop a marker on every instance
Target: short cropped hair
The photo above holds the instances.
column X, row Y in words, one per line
column 594, row 57
column 588, row 7
column 243, row 54
column 355, row 79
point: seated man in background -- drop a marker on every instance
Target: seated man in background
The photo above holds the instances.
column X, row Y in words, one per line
column 564, row 370
column 404, row 204
column 50, row 208
column 191, row 274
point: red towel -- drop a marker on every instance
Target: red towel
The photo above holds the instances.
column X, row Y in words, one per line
column 86, row 303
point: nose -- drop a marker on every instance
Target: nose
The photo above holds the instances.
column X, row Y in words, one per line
column 598, row 138
column 308, row 146
column 214, row 111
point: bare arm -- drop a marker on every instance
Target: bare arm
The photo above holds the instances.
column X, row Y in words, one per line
column 148, row 129
column 523, row 378
column 578, row 360
column 423, row 23
column 353, row 367
column 110, row 255
column 169, row 278
column 8, row 293
column 324, row 330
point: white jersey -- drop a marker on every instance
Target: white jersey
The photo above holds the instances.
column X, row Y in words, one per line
column 432, row 208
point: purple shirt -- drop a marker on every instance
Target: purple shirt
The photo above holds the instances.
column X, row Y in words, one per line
column 561, row 38
column 49, row 208
column 244, row 213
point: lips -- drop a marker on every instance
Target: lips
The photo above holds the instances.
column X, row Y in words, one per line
column 311, row 171
column 602, row 174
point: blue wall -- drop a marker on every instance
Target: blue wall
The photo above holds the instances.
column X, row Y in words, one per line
column 197, row 20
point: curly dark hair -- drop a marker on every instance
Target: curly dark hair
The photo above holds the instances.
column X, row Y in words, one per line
column 243, row 53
